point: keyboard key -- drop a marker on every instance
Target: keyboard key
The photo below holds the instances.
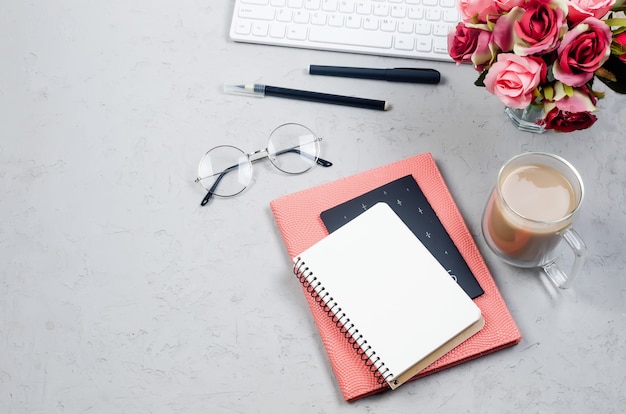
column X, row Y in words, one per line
column 451, row 16
column 353, row 22
column 346, row 6
column 381, row 10
column 296, row 32
column 278, row 31
column 318, row 18
column 404, row 42
column 433, row 14
column 351, row 37
column 257, row 13
column 388, row 25
column 424, row 44
column 260, row 29
column 398, row 11
column 423, row 28
column 335, row 20
column 416, row 12
column 370, row 23
column 364, row 7
column 440, row 45
column 329, row 5
column 312, row 4
column 405, row 26
column 301, row 17
column 284, row 15
column 243, row 27
column 441, row 29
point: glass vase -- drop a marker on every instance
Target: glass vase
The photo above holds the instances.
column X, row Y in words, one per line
column 527, row 119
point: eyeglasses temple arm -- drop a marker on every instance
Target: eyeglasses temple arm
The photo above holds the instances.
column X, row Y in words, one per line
column 324, row 163
column 211, row 191
column 320, row 161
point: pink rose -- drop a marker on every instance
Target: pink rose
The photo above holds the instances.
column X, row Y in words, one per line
column 476, row 11
column 513, row 79
column 579, row 10
column 582, row 51
column 505, row 6
column 577, row 100
column 539, row 29
column 469, row 44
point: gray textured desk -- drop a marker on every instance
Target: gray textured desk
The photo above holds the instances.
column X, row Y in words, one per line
column 118, row 293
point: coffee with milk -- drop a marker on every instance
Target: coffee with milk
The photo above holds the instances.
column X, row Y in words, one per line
column 531, row 209
column 536, row 200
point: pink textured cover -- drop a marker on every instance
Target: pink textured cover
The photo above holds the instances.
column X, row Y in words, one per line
column 298, row 219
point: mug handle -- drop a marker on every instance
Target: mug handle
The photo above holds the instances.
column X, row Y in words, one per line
column 559, row 277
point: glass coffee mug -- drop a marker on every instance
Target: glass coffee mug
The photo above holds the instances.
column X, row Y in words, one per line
column 531, row 209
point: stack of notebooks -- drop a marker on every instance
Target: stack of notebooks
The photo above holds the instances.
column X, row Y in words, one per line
column 394, row 281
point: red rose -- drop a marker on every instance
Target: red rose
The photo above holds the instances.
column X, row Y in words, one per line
column 619, row 41
column 582, row 51
column 564, row 121
column 539, row 29
column 470, row 45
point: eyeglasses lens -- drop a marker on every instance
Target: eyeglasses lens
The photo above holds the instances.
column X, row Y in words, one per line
column 293, row 148
column 227, row 165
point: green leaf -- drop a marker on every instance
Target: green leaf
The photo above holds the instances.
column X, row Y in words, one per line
column 615, row 22
column 550, row 74
column 481, row 79
column 569, row 90
column 618, row 69
column 548, row 92
column 602, row 73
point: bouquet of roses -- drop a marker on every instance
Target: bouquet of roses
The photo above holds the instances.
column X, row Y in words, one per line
column 544, row 53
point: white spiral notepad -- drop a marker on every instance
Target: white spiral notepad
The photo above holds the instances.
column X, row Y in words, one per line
column 388, row 294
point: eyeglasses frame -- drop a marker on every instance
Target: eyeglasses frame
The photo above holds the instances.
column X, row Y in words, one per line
column 256, row 156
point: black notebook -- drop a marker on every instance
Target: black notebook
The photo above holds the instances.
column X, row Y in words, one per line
column 409, row 202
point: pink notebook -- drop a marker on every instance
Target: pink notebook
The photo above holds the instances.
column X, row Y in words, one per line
column 298, row 218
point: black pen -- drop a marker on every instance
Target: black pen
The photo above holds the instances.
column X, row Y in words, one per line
column 415, row 75
column 267, row 90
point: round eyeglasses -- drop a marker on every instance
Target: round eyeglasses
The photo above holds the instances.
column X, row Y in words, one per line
column 225, row 170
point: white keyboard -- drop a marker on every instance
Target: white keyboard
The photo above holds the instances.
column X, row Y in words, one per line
column 398, row 28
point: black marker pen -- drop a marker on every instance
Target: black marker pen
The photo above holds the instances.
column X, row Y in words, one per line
column 414, row 75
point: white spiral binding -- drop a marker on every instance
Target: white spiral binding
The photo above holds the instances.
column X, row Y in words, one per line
column 319, row 293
